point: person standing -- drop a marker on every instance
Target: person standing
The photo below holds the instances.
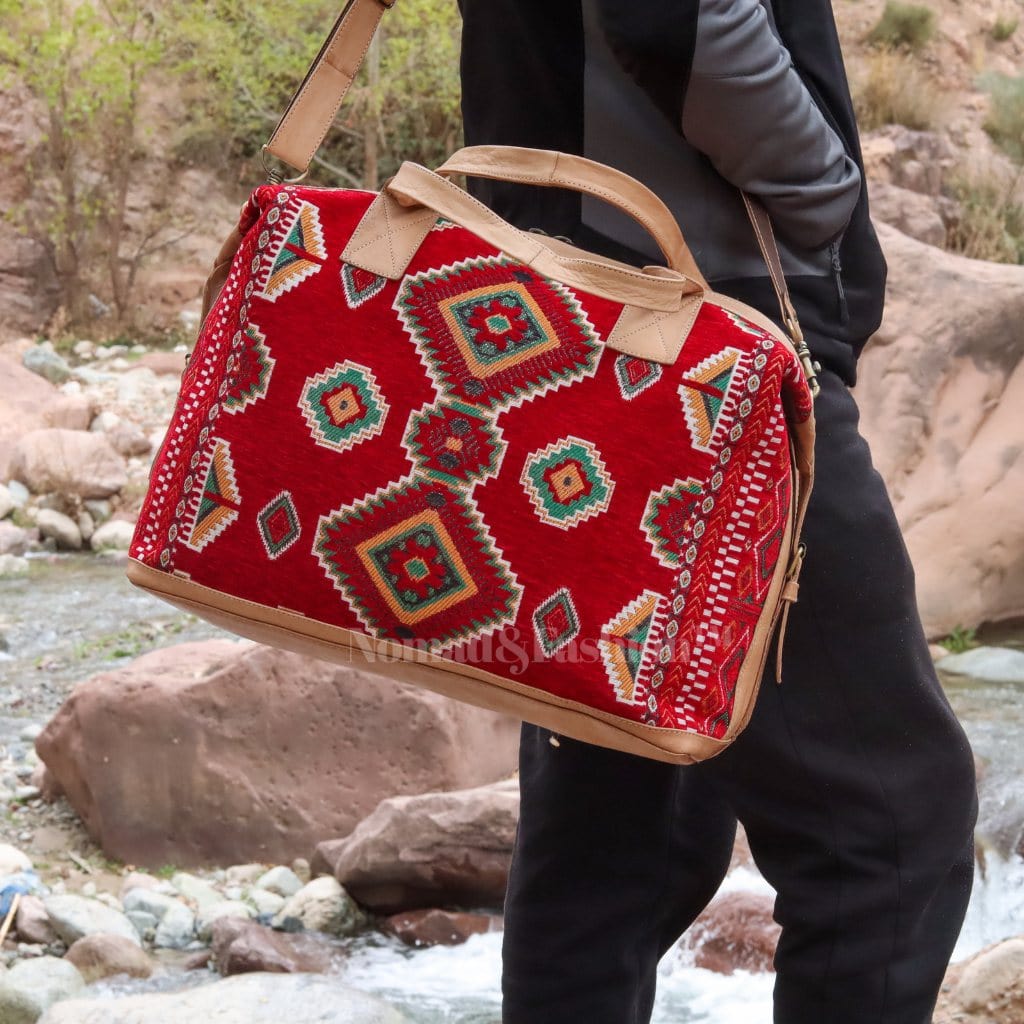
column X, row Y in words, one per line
column 854, row 781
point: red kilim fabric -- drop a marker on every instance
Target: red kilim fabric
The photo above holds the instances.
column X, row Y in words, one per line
column 455, row 460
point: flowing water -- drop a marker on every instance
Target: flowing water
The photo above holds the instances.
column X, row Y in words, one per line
column 73, row 616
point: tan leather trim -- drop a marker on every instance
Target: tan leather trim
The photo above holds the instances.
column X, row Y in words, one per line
column 291, row 631
column 564, row 170
column 655, row 336
column 311, row 112
column 387, row 237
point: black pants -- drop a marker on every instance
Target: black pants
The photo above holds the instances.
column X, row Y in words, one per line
column 854, row 781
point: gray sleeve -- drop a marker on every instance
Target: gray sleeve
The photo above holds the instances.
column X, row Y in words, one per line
column 747, row 109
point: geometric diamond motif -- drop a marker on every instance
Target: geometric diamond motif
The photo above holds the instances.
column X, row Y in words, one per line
column 415, row 562
column 703, row 391
column 296, row 252
column 665, row 518
column 454, row 442
column 279, row 525
column 214, row 501
column 492, row 332
column 635, row 375
column 556, row 622
column 360, row 285
column 249, row 369
column 567, row 482
column 343, row 406
column 627, row 646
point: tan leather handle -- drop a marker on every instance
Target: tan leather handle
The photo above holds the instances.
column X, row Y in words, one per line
column 654, row 288
column 564, row 170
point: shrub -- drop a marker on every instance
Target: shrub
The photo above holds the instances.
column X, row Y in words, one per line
column 1005, row 122
column 991, row 223
column 1004, row 28
column 904, row 25
column 894, row 90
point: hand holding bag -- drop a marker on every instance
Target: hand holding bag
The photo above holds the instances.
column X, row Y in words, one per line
column 486, row 461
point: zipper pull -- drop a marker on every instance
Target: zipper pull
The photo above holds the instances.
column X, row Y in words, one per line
column 837, row 276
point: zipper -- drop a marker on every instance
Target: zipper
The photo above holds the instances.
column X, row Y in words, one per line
column 837, row 277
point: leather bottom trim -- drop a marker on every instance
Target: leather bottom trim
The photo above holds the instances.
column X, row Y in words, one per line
column 291, row 631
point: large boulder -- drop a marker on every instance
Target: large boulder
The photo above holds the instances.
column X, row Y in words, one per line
column 28, row 402
column 218, row 752
column 72, row 462
column 430, row 850
column 242, row 947
column 245, row 999
column 986, row 989
column 941, row 388
column 73, row 917
column 30, row 986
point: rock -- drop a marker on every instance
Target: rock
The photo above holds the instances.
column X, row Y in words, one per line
column 244, row 874
column 240, row 947
column 63, row 529
column 176, row 924
column 98, row 508
column 13, row 539
column 914, row 160
column 19, row 493
column 280, row 880
column 916, row 215
column 263, row 998
column 137, row 880
column 32, row 923
column 144, row 923
column 101, row 956
column 197, row 890
column 12, row 565
column 6, row 502
column 113, row 535
column 990, row 664
column 136, row 387
column 940, row 388
column 321, row 906
column 208, row 916
column 27, row 403
column 198, row 960
column 267, row 904
column 13, row 860
column 735, row 933
column 422, row 851
column 992, row 979
column 436, row 927
column 73, row 462
column 75, row 916
column 46, row 363
column 31, row 986
column 224, row 752
column 170, row 363
column 86, row 525
column 128, row 439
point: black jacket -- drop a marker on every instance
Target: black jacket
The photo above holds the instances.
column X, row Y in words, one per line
column 694, row 98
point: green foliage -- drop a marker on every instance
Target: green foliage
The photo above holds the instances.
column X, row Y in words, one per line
column 1005, row 122
column 1003, row 28
column 239, row 64
column 904, row 25
column 991, row 222
column 893, row 90
column 960, row 639
column 96, row 68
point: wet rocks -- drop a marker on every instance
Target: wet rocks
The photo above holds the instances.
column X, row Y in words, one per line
column 990, row 664
column 175, row 922
column 115, row 535
column 102, row 956
column 735, row 933
column 63, row 529
column 241, row 947
column 436, row 927
column 430, row 850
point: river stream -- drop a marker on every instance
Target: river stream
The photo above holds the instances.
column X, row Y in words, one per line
column 72, row 616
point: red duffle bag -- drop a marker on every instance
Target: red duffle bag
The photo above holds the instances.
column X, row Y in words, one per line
column 480, row 459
